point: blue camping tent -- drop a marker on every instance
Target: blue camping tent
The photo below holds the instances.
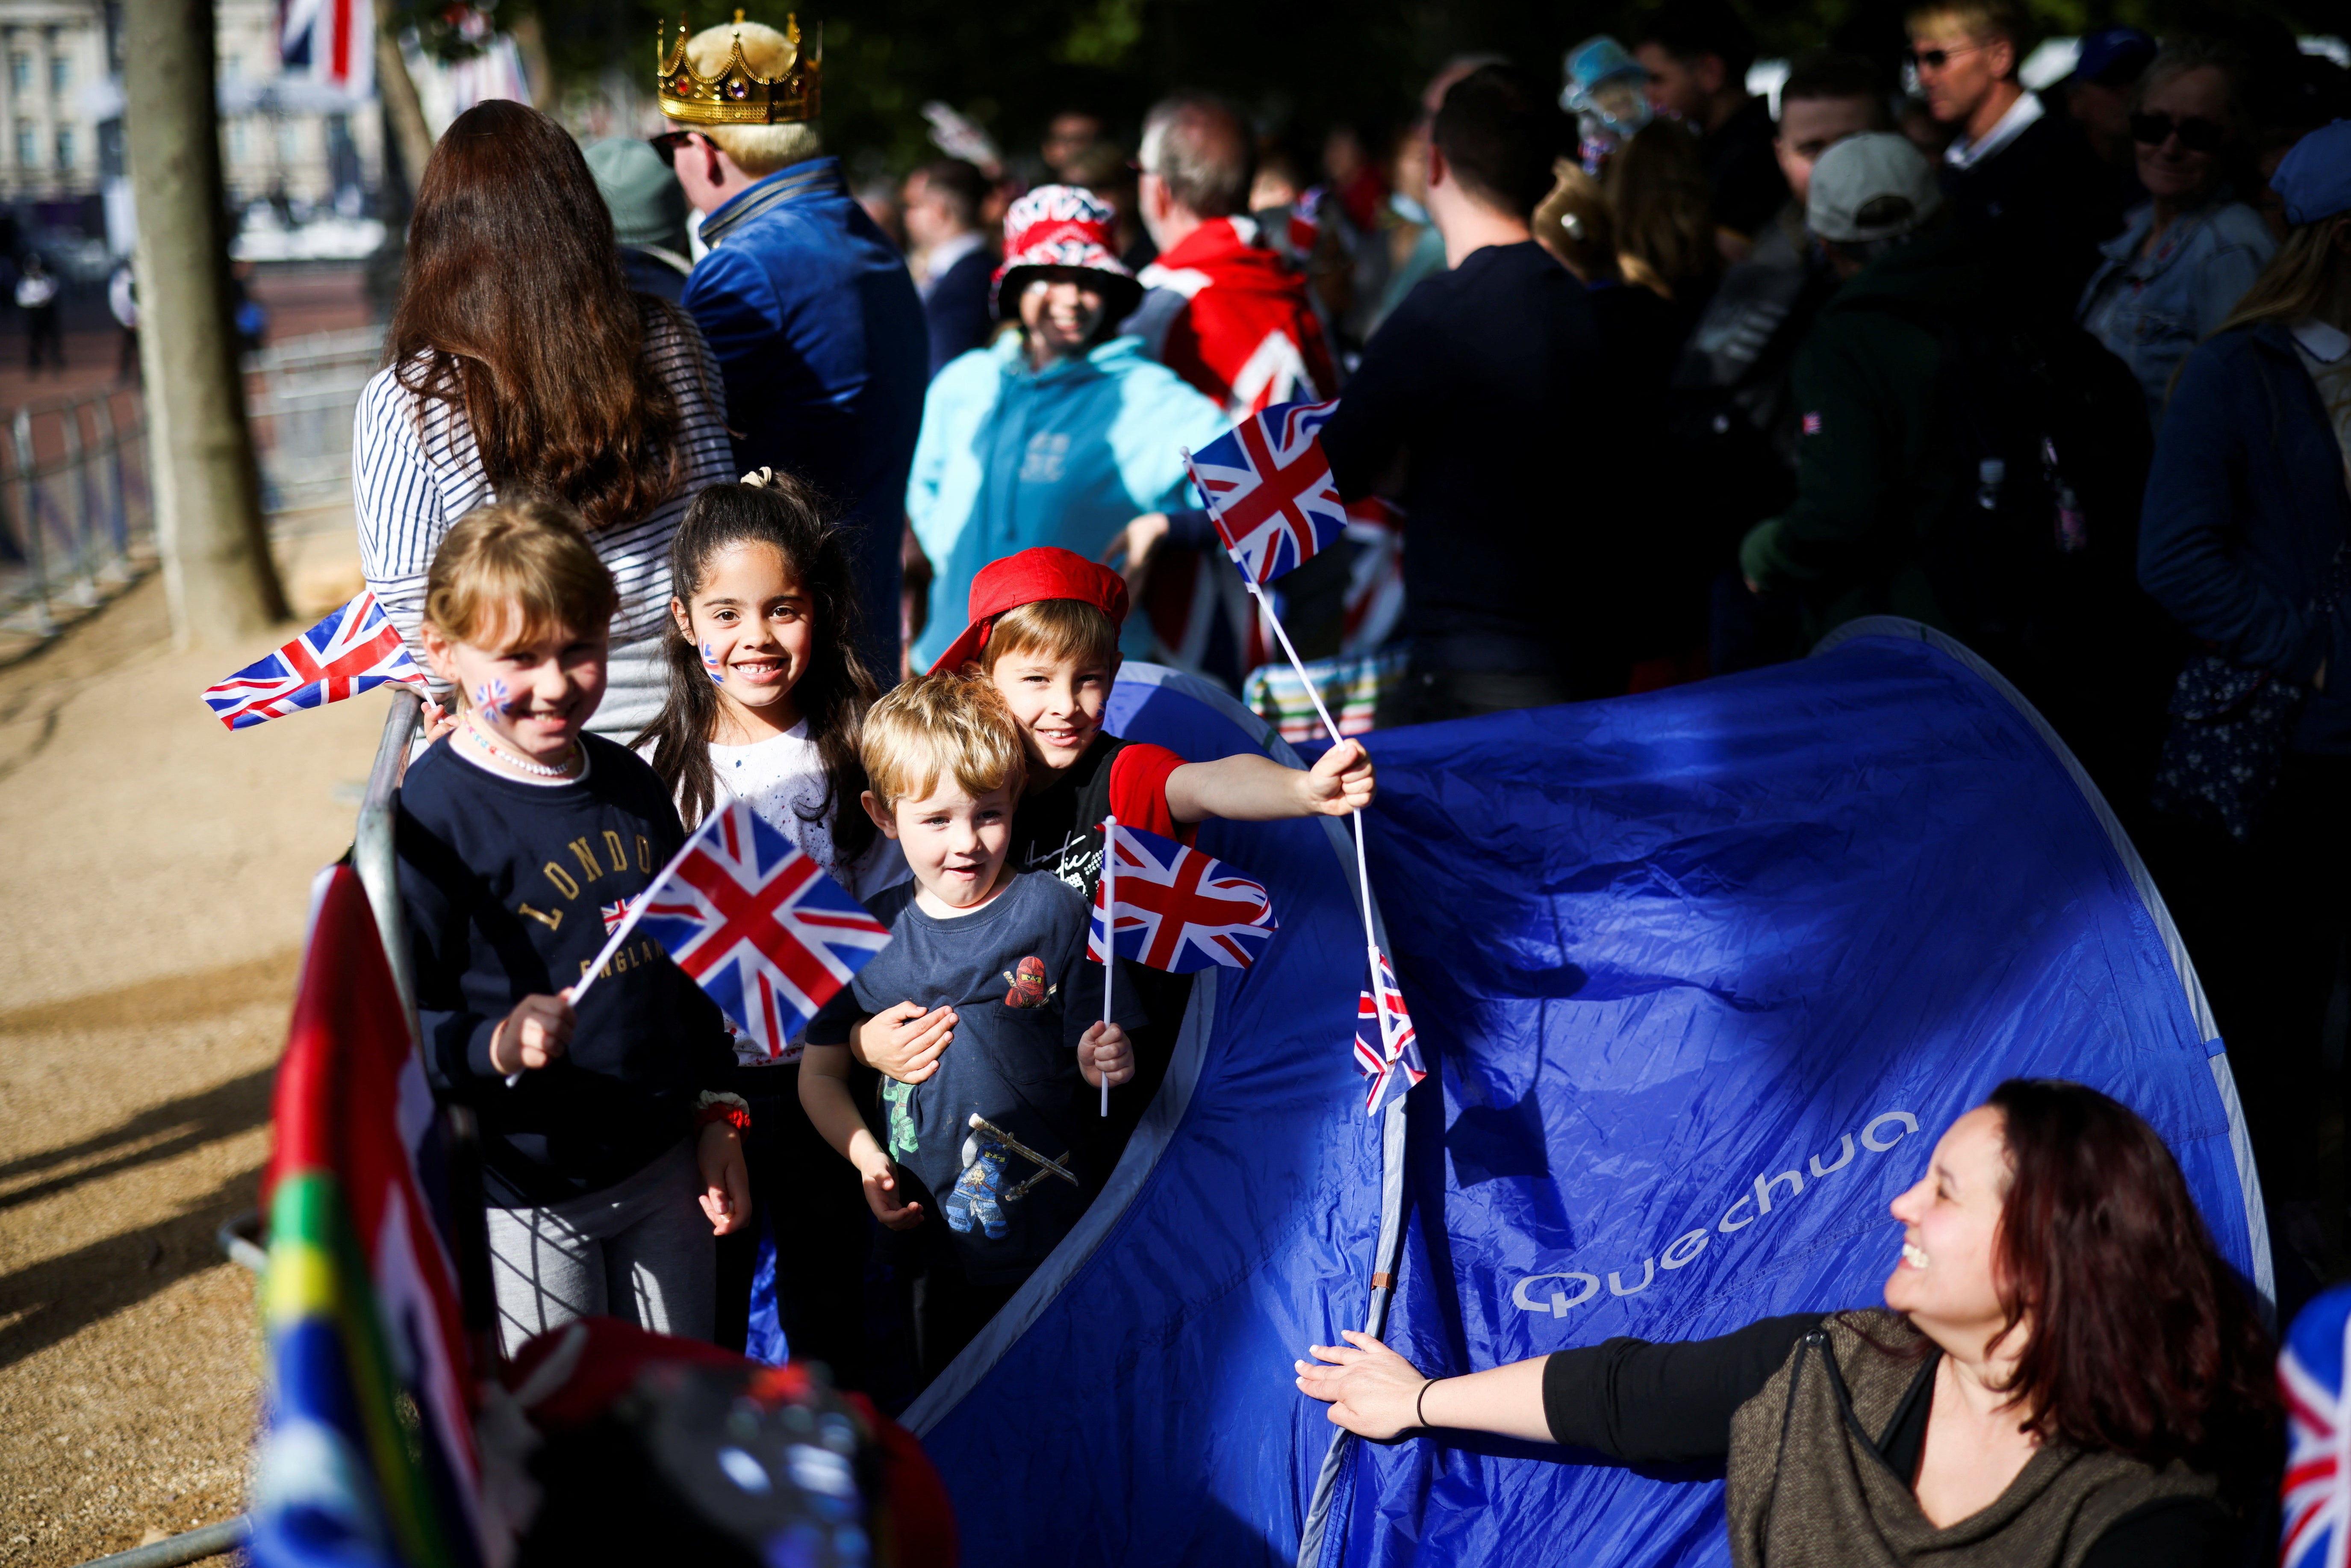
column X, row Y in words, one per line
column 1701, row 974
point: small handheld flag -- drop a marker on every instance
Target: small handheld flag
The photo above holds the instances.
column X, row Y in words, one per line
column 2315, row 1527
column 355, row 649
column 1268, row 490
column 755, row 922
column 1174, row 908
column 1386, row 1048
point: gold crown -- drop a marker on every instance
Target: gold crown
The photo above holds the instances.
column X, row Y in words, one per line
column 736, row 95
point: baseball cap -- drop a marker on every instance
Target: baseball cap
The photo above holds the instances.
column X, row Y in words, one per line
column 2314, row 179
column 1046, row 572
column 2112, row 56
column 1869, row 187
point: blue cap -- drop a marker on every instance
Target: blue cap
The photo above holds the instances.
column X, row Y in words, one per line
column 2113, row 56
column 2314, row 179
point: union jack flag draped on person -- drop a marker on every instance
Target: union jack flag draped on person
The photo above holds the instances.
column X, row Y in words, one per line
column 1394, row 1064
column 355, row 649
column 1177, row 909
column 2314, row 1521
column 757, row 925
column 1269, row 490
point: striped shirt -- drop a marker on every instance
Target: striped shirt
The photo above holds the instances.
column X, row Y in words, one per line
column 415, row 472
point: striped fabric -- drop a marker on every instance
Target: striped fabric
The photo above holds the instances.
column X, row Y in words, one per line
column 412, row 480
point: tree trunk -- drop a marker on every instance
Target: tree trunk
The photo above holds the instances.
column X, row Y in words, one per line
column 530, row 41
column 402, row 108
column 217, row 572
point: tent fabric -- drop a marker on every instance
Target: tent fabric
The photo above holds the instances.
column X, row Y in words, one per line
column 1701, row 974
column 1706, row 971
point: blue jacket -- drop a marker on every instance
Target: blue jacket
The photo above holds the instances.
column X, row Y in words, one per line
column 2149, row 310
column 1011, row 457
column 2246, row 508
column 820, row 338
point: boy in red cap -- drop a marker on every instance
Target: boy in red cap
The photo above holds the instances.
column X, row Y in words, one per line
column 1044, row 627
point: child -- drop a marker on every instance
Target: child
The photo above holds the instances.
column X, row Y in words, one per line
column 765, row 697
column 984, row 1165
column 765, row 689
column 519, row 838
column 1044, row 633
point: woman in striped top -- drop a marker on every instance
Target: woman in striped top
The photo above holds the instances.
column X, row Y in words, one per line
column 519, row 361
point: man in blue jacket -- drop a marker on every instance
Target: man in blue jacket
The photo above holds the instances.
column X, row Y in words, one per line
column 815, row 322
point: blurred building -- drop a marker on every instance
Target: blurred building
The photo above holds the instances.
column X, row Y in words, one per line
column 287, row 141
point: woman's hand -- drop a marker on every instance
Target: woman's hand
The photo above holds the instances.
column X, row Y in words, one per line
column 1104, row 1055
column 1339, row 781
column 904, row 1042
column 726, row 1179
column 881, row 1181
column 1371, row 1390
column 537, row 1033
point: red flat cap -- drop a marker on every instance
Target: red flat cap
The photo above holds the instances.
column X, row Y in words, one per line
column 1046, row 571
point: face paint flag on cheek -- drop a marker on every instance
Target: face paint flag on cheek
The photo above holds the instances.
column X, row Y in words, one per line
column 493, row 699
column 712, row 665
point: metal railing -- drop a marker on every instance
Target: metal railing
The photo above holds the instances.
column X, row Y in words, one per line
column 77, row 508
column 76, row 497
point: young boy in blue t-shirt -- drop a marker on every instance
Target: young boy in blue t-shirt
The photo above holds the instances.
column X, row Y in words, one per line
column 984, row 1165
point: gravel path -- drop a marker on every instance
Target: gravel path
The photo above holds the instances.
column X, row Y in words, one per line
column 153, row 897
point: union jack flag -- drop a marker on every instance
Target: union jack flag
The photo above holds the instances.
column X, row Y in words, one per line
column 1269, row 490
column 758, row 924
column 1177, row 909
column 614, row 914
column 355, row 649
column 2316, row 1495
column 1395, row 1065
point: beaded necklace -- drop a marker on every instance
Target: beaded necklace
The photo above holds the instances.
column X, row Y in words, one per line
column 564, row 770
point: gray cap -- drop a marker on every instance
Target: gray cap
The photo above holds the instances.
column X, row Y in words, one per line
column 1869, row 187
column 648, row 203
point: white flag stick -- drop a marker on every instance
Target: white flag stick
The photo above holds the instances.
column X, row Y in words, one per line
column 1110, row 929
column 1362, row 872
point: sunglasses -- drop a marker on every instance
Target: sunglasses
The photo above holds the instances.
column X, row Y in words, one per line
column 1936, row 59
column 2196, row 135
column 668, row 144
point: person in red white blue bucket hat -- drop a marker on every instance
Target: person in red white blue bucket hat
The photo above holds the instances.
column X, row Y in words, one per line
column 1060, row 431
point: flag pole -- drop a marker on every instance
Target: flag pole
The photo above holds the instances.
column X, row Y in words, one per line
column 1363, row 871
column 1315, row 696
column 1110, row 928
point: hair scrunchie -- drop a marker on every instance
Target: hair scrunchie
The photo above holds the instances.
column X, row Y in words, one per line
column 760, row 478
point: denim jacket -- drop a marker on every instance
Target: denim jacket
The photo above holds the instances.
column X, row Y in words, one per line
column 2151, row 309
column 2245, row 507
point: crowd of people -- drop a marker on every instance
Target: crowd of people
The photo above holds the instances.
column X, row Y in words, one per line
column 697, row 479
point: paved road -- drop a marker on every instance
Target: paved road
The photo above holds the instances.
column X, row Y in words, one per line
column 153, row 898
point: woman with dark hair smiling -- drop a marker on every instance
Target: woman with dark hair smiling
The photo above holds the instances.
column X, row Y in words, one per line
column 519, row 361
column 2066, row 1375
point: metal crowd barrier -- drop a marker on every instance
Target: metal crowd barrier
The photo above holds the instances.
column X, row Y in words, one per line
column 76, row 509
column 76, row 495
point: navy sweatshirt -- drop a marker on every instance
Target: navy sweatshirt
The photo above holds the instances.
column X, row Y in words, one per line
column 507, row 887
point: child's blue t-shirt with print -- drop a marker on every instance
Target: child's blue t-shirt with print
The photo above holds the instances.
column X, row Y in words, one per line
column 1024, row 994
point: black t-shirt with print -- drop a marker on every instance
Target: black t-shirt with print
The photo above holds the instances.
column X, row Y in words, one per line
column 1024, row 993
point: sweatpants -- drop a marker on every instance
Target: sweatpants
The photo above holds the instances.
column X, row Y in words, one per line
column 641, row 1251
